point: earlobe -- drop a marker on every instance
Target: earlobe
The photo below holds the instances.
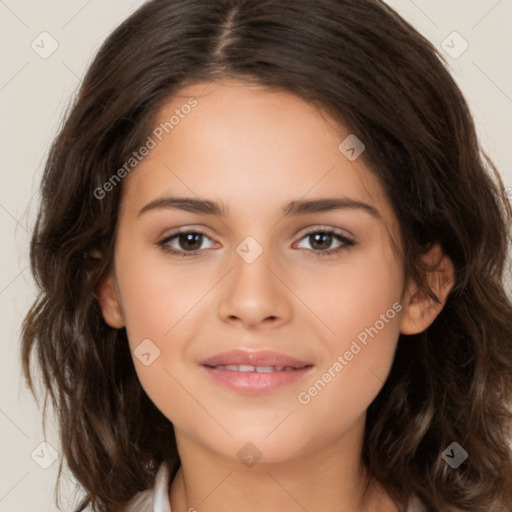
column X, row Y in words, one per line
column 420, row 310
column 109, row 303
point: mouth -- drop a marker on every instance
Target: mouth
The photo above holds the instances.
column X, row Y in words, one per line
column 255, row 373
column 245, row 368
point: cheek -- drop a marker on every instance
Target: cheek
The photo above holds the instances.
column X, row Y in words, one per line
column 354, row 296
column 159, row 301
column 157, row 296
column 360, row 305
column 156, row 301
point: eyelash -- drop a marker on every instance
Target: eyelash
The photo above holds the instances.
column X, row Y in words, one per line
column 346, row 242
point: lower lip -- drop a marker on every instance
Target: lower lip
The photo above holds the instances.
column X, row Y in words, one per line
column 255, row 383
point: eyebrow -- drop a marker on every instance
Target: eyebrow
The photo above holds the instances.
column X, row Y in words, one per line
column 190, row 204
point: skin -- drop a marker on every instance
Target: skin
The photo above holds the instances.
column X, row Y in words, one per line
column 255, row 150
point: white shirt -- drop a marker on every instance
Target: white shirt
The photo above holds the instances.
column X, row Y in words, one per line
column 157, row 499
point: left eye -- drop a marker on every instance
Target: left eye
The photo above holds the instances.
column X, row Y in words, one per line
column 325, row 238
column 190, row 242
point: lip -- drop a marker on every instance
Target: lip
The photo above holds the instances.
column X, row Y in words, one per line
column 260, row 358
column 252, row 382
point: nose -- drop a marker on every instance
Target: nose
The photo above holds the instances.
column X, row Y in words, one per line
column 255, row 293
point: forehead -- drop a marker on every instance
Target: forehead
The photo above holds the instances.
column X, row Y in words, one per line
column 248, row 146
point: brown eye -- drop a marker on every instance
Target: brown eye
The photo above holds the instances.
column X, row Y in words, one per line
column 190, row 241
column 321, row 240
column 185, row 243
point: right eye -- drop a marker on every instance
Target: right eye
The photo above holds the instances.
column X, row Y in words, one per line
column 189, row 242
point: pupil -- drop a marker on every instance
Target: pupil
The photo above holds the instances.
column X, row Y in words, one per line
column 189, row 240
column 317, row 236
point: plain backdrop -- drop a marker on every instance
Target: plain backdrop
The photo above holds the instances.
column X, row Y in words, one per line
column 35, row 90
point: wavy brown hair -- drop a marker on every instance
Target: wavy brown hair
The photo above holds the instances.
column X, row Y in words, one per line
column 376, row 75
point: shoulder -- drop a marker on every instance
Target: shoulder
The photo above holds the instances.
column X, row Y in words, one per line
column 155, row 499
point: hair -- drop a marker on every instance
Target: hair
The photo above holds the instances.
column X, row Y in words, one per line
column 377, row 76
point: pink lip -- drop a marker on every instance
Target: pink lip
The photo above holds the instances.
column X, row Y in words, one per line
column 255, row 383
column 260, row 358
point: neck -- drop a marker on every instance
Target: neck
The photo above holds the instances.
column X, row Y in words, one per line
column 332, row 478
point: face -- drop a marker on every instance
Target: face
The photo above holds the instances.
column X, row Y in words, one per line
column 275, row 274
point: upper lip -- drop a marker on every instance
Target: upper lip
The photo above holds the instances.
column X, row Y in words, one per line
column 260, row 358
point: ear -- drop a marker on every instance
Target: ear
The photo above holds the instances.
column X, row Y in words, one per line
column 420, row 310
column 109, row 302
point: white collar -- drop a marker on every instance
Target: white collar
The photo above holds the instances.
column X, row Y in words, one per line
column 155, row 499
column 161, row 489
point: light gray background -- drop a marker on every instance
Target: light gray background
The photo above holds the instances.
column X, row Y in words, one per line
column 34, row 93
